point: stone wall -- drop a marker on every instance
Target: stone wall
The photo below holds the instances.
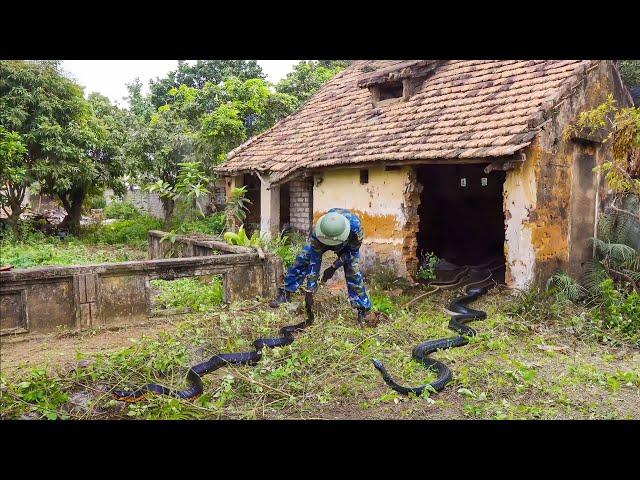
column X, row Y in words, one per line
column 89, row 296
column 301, row 205
column 147, row 202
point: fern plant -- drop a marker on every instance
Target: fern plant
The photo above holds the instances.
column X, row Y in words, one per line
column 615, row 257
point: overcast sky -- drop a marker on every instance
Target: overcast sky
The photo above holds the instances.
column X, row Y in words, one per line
column 109, row 77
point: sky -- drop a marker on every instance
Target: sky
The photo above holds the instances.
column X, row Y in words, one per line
column 109, row 77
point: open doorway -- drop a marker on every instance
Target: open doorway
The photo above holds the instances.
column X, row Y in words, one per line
column 252, row 220
column 461, row 213
column 285, row 208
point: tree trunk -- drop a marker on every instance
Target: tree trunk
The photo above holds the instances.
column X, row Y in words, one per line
column 72, row 203
column 15, row 204
column 168, row 205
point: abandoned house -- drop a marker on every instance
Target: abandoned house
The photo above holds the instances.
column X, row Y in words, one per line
column 466, row 159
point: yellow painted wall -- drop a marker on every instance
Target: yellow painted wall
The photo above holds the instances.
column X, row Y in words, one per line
column 379, row 204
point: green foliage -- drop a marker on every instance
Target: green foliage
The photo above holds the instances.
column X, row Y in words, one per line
column 630, row 72
column 210, row 225
column 427, row 270
column 133, row 231
column 307, row 77
column 73, row 145
column 564, row 287
column 618, row 311
column 201, row 73
column 537, row 305
column 37, row 249
column 241, row 238
column 96, row 201
column 194, row 294
column 191, row 183
column 237, row 206
column 286, row 247
column 623, row 131
column 121, row 210
column 38, row 394
column 382, row 304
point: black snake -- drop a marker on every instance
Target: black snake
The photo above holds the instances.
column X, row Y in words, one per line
column 478, row 280
column 195, row 373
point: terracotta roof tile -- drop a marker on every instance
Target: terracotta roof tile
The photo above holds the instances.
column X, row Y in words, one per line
column 464, row 109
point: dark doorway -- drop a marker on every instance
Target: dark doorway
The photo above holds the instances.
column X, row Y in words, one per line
column 252, row 220
column 461, row 213
column 285, row 208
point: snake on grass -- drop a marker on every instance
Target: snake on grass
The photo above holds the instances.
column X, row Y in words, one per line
column 195, row 373
column 478, row 281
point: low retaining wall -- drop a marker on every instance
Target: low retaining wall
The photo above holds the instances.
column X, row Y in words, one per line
column 87, row 296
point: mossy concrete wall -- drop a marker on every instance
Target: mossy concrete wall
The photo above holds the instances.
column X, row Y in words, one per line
column 89, row 296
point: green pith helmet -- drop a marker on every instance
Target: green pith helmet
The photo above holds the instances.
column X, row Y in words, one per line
column 332, row 229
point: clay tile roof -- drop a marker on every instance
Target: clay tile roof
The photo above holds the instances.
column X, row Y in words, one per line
column 462, row 109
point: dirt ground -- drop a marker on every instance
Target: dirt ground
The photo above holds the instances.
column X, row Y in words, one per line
column 59, row 349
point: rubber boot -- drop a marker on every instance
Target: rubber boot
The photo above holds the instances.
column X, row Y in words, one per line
column 362, row 314
column 283, row 297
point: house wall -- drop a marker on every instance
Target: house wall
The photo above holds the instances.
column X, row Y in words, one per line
column 547, row 200
column 380, row 204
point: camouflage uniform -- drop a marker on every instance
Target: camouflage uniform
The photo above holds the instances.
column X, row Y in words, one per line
column 307, row 263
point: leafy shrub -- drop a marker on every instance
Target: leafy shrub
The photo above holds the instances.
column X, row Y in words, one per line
column 382, row 303
column 286, row 247
column 133, row 231
column 241, row 239
column 537, row 305
column 211, row 225
column 95, row 201
column 563, row 286
column 187, row 292
column 121, row 210
column 617, row 311
column 427, row 270
column 42, row 394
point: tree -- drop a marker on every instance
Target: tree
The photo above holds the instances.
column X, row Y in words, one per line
column 94, row 161
column 307, row 77
column 43, row 107
column 200, row 125
column 200, row 73
column 13, row 175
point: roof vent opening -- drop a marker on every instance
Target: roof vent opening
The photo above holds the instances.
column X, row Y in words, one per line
column 390, row 90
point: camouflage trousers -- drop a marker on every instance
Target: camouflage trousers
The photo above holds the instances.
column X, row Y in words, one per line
column 307, row 265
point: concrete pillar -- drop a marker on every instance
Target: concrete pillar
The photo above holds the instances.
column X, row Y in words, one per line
column 269, row 207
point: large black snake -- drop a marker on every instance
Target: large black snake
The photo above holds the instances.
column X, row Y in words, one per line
column 195, row 373
column 478, row 281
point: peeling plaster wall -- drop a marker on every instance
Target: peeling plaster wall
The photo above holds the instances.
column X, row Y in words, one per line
column 538, row 195
column 380, row 204
column 519, row 194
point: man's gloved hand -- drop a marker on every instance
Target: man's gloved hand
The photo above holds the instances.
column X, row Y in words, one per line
column 328, row 273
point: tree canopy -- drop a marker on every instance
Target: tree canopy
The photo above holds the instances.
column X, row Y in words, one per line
column 71, row 145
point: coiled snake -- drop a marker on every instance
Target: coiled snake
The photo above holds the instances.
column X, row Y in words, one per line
column 478, row 280
column 195, row 373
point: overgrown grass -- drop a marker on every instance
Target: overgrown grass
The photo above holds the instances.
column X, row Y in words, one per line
column 198, row 295
column 513, row 368
column 39, row 250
